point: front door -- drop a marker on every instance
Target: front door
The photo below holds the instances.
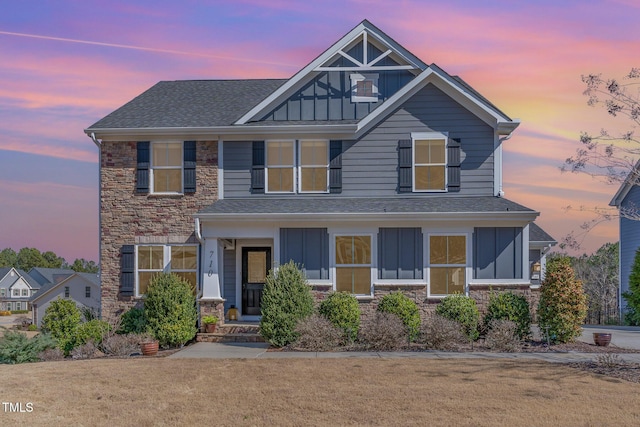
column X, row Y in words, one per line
column 256, row 263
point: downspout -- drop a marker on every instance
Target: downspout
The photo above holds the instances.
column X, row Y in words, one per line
column 499, row 162
column 99, row 145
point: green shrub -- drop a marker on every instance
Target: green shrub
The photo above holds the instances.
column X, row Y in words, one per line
column 170, row 309
column 32, row 327
column 462, row 309
column 286, row 299
column 343, row 311
column 93, row 330
column 61, row 319
column 407, row 310
column 133, row 321
column 509, row 306
column 563, row 303
column 15, row 347
column 20, row 311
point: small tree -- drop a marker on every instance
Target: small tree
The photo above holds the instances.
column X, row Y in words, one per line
column 632, row 296
column 286, row 299
column 62, row 319
column 563, row 303
column 170, row 308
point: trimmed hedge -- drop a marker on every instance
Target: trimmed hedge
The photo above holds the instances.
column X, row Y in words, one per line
column 406, row 309
column 462, row 309
column 510, row 306
column 343, row 311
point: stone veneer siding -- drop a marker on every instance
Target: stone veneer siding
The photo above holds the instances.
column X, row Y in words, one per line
column 130, row 218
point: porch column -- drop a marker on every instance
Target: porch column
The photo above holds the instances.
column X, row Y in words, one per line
column 210, row 270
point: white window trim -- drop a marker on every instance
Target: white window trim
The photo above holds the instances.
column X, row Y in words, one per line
column 372, row 265
column 467, row 267
column 152, row 168
column 357, row 77
column 166, row 263
column 300, row 166
column 25, row 292
column 15, row 293
column 428, row 136
column 267, row 167
column 18, row 306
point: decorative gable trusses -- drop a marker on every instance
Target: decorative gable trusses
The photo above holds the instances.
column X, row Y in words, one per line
column 364, row 49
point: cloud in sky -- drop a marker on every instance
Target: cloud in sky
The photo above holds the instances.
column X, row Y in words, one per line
column 66, row 64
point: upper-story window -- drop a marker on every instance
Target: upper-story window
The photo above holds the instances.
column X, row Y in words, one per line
column 16, row 292
column 166, row 167
column 280, row 166
column 301, row 167
column 429, row 161
column 25, row 292
column 364, row 87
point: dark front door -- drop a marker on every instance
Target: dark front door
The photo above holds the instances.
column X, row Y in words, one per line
column 256, row 263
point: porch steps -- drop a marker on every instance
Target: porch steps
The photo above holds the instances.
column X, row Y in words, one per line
column 233, row 332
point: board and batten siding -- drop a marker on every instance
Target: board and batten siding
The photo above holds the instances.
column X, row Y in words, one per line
column 629, row 242
column 428, row 110
column 229, row 279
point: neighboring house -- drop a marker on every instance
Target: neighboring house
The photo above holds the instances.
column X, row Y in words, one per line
column 49, row 275
column 627, row 200
column 16, row 287
column 373, row 170
column 81, row 288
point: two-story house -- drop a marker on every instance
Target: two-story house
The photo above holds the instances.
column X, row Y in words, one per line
column 373, row 170
column 16, row 287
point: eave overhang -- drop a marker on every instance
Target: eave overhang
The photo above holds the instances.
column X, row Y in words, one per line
column 222, row 132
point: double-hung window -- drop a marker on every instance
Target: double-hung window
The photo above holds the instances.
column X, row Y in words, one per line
column 66, row 292
column 87, row 291
column 181, row 260
column 301, row 166
column 25, row 292
column 166, row 167
column 16, row 292
column 280, row 166
column 447, row 264
column 353, row 264
column 429, row 161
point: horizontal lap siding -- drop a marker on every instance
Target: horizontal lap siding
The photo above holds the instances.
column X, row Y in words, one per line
column 629, row 240
column 370, row 165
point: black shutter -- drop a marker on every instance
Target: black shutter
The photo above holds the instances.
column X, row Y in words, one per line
column 127, row 270
column 335, row 167
column 453, row 165
column 189, row 166
column 142, row 171
column 257, row 168
column 405, row 166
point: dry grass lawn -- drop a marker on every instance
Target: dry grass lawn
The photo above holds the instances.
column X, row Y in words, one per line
column 462, row 392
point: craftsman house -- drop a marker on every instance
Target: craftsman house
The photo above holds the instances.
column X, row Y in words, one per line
column 371, row 169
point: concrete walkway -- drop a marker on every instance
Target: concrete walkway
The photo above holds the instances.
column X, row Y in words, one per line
column 622, row 336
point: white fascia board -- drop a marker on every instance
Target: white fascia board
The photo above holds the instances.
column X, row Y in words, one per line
column 502, row 124
column 360, row 217
column 226, row 133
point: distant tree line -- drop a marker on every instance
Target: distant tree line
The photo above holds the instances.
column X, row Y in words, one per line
column 599, row 274
column 27, row 258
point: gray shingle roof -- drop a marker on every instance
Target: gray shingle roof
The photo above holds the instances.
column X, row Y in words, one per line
column 4, row 271
column 30, row 280
column 336, row 205
column 51, row 275
column 190, row 103
column 537, row 234
column 92, row 277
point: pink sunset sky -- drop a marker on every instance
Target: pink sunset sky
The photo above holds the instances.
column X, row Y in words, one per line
column 65, row 64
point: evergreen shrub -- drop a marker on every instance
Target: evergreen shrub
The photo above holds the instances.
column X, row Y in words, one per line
column 170, row 309
column 343, row 311
column 286, row 298
column 510, row 306
column 462, row 309
column 61, row 319
column 15, row 347
column 563, row 303
column 406, row 309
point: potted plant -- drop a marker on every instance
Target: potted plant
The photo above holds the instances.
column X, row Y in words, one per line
column 148, row 344
column 210, row 323
column 601, row 338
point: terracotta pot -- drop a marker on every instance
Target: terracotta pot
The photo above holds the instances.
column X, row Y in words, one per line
column 210, row 328
column 149, row 348
column 601, row 339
